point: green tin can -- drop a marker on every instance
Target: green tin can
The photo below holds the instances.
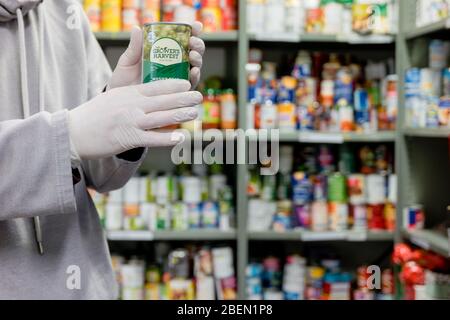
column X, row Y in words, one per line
column 337, row 188
column 166, row 51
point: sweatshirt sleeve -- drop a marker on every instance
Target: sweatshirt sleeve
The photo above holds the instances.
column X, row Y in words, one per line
column 110, row 173
column 35, row 166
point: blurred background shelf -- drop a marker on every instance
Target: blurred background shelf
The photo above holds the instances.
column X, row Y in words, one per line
column 324, row 38
column 440, row 26
column 227, row 36
column 303, row 235
column 193, row 235
column 335, row 137
column 427, row 132
column 227, row 55
column 220, row 36
column 429, row 240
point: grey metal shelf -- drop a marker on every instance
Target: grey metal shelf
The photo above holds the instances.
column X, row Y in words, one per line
column 222, row 135
column 112, row 36
column 427, row 132
column 231, row 36
column 190, row 235
column 429, row 240
column 421, row 176
column 226, row 36
column 311, row 236
column 428, row 30
column 324, row 38
column 335, row 137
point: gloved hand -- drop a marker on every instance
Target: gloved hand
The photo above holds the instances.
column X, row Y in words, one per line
column 123, row 118
column 129, row 68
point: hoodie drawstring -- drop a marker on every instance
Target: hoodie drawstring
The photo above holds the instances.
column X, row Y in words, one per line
column 23, row 65
column 25, row 92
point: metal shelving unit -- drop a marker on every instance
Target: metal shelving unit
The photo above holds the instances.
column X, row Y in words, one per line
column 335, row 137
column 416, row 32
column 429, row 240
column 228, row 36
column 240, row 41
column 323, row 38
column 421, row 153
column 309, row 236
column 427, row 132
column 190, row 235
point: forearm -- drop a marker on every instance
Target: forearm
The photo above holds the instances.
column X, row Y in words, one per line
column 35, row 165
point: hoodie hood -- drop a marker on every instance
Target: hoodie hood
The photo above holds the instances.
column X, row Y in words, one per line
column 8, row 8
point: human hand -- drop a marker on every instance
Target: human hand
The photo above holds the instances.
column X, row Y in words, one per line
column 129, row 68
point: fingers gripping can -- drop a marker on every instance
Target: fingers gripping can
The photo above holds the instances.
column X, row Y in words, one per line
column 166, row 51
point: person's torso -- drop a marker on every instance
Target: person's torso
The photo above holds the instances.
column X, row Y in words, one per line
column 64, row 63
column 72, row 242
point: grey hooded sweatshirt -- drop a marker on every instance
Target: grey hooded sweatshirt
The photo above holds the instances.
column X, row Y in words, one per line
column 49, row 64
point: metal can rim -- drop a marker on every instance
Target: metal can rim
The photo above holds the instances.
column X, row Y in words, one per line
column 167, row 23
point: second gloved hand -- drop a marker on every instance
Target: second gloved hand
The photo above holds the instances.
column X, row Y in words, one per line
column 123, row 118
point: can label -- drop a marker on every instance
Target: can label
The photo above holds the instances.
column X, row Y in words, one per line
column 211, row 112
column 165, row 52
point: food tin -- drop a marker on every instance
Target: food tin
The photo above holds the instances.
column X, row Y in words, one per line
column 337, row 191
column 301, row 188
column 287, row 116
column 413, row 217
column 211, row 17
column 356, row 186
column 302, row 216
column 93, row 12
column 359, row 217
column 210, row 215
column 375, row 217
column 211, row 110
column 114, row 216
column 131, row 11
column 338, row 216
column 194, row 215
column 111, row 15
column 319, row 216
column 133, row 274
column 150, row 11
column 376, row 189
column 132, row 219
column 228, row 110
column 179, row 216
column 166, row 51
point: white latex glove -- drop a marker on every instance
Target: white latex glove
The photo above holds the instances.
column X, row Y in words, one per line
column 123, row 118
column 129, row 68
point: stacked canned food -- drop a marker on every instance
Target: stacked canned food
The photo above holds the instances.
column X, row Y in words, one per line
column 201, row 273
column 218, row 110
column 427, row 90
column 312, row 195
column 323, row 93
column 216, row 15
column 346, row 18
column 170, row 202
column 121, row 15
column 322, row 279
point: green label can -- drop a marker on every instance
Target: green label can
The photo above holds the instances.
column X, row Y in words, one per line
column 166, row 51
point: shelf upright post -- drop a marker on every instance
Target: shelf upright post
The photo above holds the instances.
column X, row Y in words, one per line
column 406, row 20
column 241, row 179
